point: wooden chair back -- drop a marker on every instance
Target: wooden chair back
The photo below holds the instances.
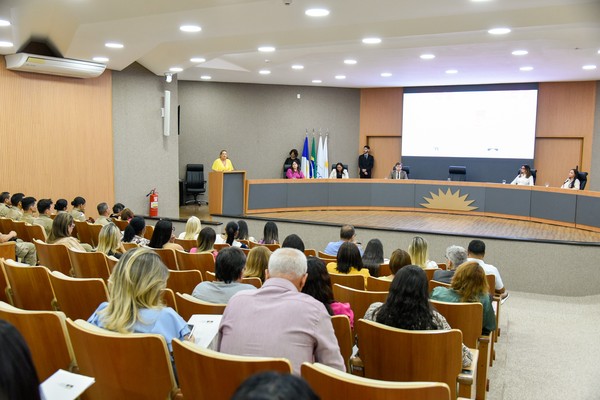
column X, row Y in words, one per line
column 430, row 272
column 219, row 246
column 442, row 266
column 46, row 335
column 53, row 256
column 29, row 287
column 168, row 257
column 359, row 300
column 200, row 368
column 188, row 306
column 384, row 269
column 95, row 232
column 120, row 223
column 187, row 244
column 392, row 354
column 4, row 290
column 331, row 384
column 8, row 250
column 253, row 280
column 245, row 251
column 6, row 225
column 353, row 281
column 210, row 276
column 325, row 256
column 310, row 252
column 195, row 261
column 149, row 232
column 22, row 233
column 270, row 246
column 136, row 366
column 36, row 231
column 344, row 336
column 111, row 262
column 168, row 297
column 244, row 241
column 184, row 281
column 83, row 233
column 433, row 284
column 89, row 265
column 129, row 246
column 378, row 285
column 78, row 298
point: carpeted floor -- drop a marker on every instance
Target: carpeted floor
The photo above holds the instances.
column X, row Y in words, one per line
column 549, row 349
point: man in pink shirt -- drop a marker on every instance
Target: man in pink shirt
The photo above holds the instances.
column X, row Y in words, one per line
column 278, row 320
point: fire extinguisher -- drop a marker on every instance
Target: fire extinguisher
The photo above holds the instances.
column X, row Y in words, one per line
column 153, row 195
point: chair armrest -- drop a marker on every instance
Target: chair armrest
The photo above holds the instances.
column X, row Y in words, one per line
column 357, row 367
column 466, row 380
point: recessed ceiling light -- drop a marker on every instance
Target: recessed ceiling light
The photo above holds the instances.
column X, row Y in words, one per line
column 190, row 28
column 297, row 66
column 526, row 69
column 175, row 69
column 197, row 59
column 6, row 44
column 371, row 40
column 317, row 81
column 340, row 77
column 4, row 22
column 499, row 31
column 589, row 67
column 350, row 61
column 266, row 49
column 264, row 72
column 206, row 77
column 386, row 74
column 452, row 71
column 520, row 52
column 100, row 59
column 317, row 12
column 427, row 56
column 114, row 45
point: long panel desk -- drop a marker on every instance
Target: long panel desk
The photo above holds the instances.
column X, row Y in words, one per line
column 533, row 203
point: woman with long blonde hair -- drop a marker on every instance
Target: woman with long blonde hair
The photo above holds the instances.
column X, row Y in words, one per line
column 109, row 241
column 192, row 229
column 135, row 299
column 469, row 285
column 419, row 253
column 257, row 262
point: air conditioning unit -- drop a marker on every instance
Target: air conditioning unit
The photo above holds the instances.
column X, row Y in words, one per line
column 53, row 65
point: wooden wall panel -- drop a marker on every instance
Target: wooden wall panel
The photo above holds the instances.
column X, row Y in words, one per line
column 56, row 136
column 386, row 150
column 557, row 156
column 380, row 113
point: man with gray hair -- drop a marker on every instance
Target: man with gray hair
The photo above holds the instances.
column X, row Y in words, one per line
column 278, row 320
column 455, row 255
column 104, row 214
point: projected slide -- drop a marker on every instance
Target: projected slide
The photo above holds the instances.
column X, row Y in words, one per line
column 486, row 124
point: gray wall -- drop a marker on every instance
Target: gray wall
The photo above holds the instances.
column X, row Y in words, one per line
column 594, row 184
column 259, row 124
column 143, row 158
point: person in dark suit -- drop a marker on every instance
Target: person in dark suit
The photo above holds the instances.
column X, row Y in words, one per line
column 365, row 163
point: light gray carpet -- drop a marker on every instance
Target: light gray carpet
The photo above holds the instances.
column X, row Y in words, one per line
column 549, row 348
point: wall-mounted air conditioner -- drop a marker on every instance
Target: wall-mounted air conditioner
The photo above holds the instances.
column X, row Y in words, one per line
column 53, row 65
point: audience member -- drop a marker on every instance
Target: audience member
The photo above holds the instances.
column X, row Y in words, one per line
column 524, row 178
column 476, row 252
column 192, row 229
column 419, row 253
column 127, row 214
column 135, row 299
column 14, row 211
column 78, row 211
column 455, row 256
column 45, row 207
column 399, row 259
column 270, row 233
column 293, row 241
column 223, row 163
column 257, row 262
column 162, row 237
column 318, row 285
column 469, row 285
column 572, row 182
column 61, row 205
column 28, row 205
column 284, row 322
column 397, row 172
column 243, row 231
column 62, row 227
column 103, row 214
column 348, row 262
column 271, row 385
column 372, row 258
column 365, row 163
column 339, row 172
column 18, row 376
column 4, row 204
column 294, row 172
column 230, row 235
column 407, row 306
column 134, row 232
column 347, row 234
column 109, row 241
column 25, row 251
column 229, row 266
column 116, row 210
column 206, row 242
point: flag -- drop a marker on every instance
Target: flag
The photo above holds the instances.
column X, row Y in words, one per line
column 313, row 159
column 321, row 171
column 326, row 157
column 305, row 167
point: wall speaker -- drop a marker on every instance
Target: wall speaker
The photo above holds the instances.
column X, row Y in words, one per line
column 167, row 114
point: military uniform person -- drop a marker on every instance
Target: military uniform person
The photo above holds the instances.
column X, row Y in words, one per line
column 77, row 214
column 3, row 210
column 14, row 213
column 102, row 220
column 28, row 218
column 45, row 221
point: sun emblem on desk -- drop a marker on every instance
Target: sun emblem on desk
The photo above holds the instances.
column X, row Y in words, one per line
column 449, row 201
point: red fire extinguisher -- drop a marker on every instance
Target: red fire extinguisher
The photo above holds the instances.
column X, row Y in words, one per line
column 153, row 195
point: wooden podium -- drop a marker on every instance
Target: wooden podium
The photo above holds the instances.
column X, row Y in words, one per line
column 226, row 192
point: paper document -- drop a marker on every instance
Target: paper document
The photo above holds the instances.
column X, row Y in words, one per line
column 65, row 385
column 205, row 328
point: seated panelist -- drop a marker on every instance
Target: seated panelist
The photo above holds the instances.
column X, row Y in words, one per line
column 397, row 172
column 572, row 182
column 339, row 172
column 294, row 172
column 223, row 163
column 524, row 178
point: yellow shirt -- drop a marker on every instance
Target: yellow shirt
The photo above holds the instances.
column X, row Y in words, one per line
column 332, row 269
column 218, row 165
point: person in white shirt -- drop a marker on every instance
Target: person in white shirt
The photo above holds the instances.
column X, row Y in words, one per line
column 476, row 252
column 524, row 178
column 339, row 172
column 572, row 182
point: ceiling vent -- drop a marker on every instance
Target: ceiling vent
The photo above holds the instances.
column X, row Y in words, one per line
column 53, row 65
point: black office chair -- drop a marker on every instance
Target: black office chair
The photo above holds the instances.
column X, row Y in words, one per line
column 285, row 168
column 582, row 176
column 194, row 183
column 457, row 173
column 406, row 168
